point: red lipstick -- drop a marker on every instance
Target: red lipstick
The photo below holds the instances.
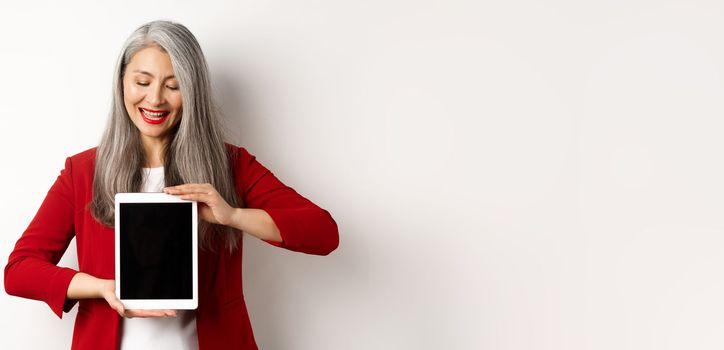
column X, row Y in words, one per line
column 153, row 119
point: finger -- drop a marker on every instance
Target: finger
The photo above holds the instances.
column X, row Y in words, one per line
column 142, row 313
column 158, row 313
column 201, row 197
column 145, row 313
column 116, row 304
column 190, row 188
column 187, row 189
column 167, row 313
column 207, row 214
column 119, row 309
column 182, row 186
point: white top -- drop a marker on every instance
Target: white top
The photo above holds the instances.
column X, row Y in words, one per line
column 166, row 332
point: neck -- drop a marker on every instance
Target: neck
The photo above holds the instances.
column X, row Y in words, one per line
column 153, row 150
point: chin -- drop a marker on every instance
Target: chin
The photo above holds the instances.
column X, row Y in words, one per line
column 153, row 131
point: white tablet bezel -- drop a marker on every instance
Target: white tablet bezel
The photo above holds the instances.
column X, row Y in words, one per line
column 146, row 304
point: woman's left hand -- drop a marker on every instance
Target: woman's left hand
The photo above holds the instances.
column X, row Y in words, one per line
column 212, row 206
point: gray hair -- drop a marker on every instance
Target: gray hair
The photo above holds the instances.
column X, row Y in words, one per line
column 196, row 152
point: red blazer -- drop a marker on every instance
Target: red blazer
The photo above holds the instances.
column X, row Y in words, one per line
column 222, row 320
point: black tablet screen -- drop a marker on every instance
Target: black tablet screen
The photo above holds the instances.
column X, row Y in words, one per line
column 155, row 245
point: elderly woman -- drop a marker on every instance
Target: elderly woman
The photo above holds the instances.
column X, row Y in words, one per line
column 163, row 134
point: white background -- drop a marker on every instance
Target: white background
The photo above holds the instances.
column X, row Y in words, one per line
column 505, row 174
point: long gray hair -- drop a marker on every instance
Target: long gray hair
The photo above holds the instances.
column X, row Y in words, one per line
column 195, row 153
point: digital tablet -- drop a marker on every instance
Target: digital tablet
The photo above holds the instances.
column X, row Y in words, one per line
column 156, row 251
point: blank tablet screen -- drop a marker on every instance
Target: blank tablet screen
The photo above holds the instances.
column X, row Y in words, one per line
column 156, row 250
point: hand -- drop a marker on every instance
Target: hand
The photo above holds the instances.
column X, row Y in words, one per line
column 212, row 207
column 108, row 292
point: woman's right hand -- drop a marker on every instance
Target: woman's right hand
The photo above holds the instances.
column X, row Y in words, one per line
column 108, row 292
column 85, row 286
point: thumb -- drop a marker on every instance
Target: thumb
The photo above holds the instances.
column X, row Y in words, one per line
column 116, row 304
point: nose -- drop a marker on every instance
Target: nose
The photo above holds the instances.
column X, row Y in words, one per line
column 155, row 96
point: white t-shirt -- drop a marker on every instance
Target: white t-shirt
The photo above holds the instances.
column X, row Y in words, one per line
column 166, row 332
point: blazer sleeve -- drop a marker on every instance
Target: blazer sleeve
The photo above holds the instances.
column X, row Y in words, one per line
column 303, row 226
column 32, row 271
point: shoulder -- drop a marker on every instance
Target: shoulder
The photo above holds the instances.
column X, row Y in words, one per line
column 80, row 166
column 246, row 168
column 79, row 169
column 87, row 155
column 238, row 154
column 83, row 160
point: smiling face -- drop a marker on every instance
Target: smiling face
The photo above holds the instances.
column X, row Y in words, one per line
column 151, row 93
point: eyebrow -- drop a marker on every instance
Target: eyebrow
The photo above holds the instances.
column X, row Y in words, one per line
column 151, row 75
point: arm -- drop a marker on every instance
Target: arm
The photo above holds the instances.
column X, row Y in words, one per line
column 302, row 225
column 274, row 212
column 85, row 286
column 255, row 222
column 31, row 271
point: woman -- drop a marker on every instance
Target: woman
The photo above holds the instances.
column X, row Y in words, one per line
column 162, row 132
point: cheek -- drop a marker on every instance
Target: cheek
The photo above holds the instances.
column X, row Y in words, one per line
column 132, row 94
column 176, row 102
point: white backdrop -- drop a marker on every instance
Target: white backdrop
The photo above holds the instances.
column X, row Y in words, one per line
column 505, row 174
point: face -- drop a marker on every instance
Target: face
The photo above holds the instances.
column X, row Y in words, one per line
column 151, row 93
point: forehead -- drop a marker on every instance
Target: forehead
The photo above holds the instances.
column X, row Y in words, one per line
column 151, row 60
